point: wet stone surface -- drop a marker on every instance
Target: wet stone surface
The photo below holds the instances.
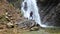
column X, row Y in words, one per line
column 26, row 24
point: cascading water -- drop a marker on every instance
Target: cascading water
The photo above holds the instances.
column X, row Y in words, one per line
column 30, row 6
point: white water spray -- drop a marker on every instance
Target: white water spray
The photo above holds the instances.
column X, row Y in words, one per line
column 31, row 6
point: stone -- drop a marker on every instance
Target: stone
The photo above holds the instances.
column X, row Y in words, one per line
column 26, row 24
column 10, row 25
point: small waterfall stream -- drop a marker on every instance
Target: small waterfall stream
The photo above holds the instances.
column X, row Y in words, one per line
column 30, row 10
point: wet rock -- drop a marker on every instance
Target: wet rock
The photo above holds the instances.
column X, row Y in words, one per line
column 34, row 28
column 10, row 25
column 48, row 12
column 26, row 24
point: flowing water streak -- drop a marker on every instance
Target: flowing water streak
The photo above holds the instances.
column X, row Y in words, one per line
column 31, row 5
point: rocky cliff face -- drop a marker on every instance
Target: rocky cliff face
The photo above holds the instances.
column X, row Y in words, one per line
column 48, row 13
column 8, row 13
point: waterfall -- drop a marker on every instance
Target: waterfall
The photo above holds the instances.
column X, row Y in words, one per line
column 29, row 6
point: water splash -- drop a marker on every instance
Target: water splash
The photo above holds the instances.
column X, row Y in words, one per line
column 29, row 6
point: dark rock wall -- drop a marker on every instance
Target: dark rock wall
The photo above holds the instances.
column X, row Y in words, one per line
column 49, row 12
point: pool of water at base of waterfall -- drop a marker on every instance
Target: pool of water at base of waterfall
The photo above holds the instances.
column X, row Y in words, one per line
column 43, row 31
